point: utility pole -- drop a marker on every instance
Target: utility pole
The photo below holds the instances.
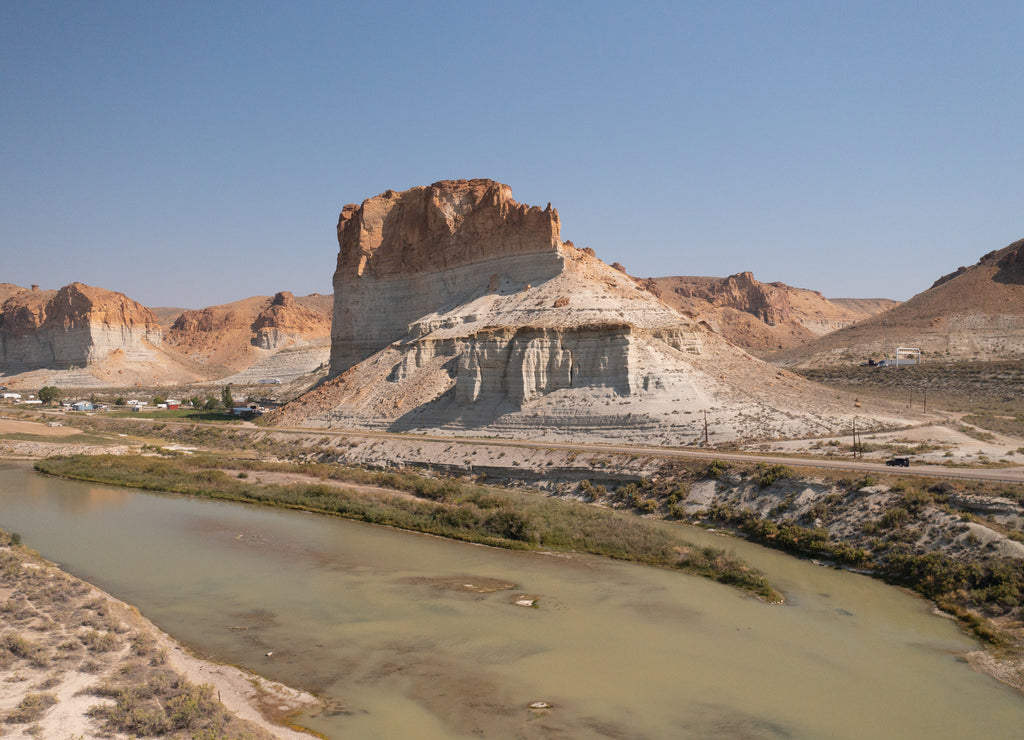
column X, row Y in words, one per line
column 855, row 438
column 706, row 428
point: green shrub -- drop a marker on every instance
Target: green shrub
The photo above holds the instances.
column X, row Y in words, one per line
column 715, row 469
column 50, row 393
column 894, row 517
column 767, row 476
column 647, row 505
column 99, row 642
column 18, row 646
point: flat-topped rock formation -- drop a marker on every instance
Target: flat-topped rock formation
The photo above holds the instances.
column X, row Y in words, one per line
column 973, row 313
column 459, row 310
column 406, row 254
column 75, row 326
column 763, row 317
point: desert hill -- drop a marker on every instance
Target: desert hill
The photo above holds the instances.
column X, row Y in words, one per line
column 974, row 313
column 762, row 317
column 458, row 309
column 247, row 335
column 88, row 335
column 84, row 336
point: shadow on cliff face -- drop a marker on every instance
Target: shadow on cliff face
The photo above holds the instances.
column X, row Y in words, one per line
column 446, row 411
column 1011, row 265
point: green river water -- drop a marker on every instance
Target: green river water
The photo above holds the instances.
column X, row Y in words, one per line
column 392, row 629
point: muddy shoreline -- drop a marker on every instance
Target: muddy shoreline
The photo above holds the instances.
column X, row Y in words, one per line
column 67, row 647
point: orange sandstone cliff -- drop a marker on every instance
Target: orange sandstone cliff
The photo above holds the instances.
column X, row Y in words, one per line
column 75, row 326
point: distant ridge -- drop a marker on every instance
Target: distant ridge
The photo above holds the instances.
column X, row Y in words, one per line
column 233, row 336
column 84, row 336
column 973, row 313
column 763, row 317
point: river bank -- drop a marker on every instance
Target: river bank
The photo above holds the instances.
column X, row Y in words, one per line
column 79, row 663
column 957, row 543
column 405, row 635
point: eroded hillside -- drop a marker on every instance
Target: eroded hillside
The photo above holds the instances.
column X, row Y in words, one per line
column 458, row 309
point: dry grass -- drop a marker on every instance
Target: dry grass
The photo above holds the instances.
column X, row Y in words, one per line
column 989, row 389
column 58, row 633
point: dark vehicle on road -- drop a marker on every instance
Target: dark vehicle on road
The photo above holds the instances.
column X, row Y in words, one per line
column 898, row 462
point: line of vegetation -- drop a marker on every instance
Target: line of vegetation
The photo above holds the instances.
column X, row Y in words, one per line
column 446, row 507
column 76, row 439
column 196, row 414
column 995, row 585
column 970, row 589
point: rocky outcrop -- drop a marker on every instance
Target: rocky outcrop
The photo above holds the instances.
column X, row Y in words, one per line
column 7, row 290
column 232, row 337
column 406, row 254
column 75, row 326
column 459, row 310
column 286, row 322
column 768, row 303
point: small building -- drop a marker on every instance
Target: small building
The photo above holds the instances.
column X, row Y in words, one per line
column 81, row 406
column 173, row 404
column 12, row 396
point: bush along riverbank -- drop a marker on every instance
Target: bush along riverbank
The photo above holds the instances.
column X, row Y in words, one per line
column 446, row 507
column 960, row 544
column 79, row 663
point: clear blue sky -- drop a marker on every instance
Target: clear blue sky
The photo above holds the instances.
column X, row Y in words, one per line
column 189, row 154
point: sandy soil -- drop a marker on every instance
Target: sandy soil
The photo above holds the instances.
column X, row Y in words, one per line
column 16, row 426
column 940, row 443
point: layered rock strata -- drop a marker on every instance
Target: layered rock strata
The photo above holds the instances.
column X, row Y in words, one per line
column 286, row 322
column 234, row 337
column 405, row 254
column 75, row 326
column 459, row 310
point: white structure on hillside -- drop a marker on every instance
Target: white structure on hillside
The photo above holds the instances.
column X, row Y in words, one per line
column 911, row 356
